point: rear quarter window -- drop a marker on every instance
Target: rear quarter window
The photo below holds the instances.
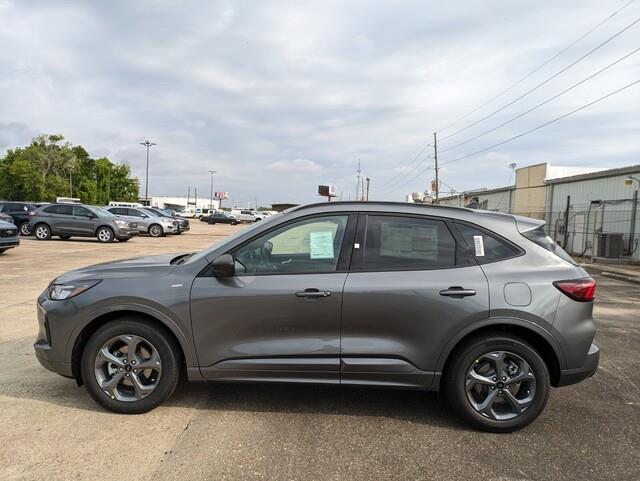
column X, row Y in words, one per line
column 540, row 237
column 484, row 246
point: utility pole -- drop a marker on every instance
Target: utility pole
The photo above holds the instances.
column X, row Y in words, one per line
column 358, row 182
column 195, row 202
column 147, row 144
column 368, row 182
column 435, row 158
column 211, row 195
column 188, row 195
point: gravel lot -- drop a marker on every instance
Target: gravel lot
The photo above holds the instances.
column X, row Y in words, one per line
column 52, row 430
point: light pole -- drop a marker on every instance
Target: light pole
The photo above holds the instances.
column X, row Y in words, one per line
column 147, row 144
column 212, row 172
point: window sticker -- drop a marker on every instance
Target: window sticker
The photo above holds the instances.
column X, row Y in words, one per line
column 479, row 245
column 321, row 245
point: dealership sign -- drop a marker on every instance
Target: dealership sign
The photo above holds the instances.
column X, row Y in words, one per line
column 221, row 195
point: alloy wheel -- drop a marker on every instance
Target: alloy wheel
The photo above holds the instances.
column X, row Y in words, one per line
column 155, row 231
column 128, row 368
column 500, row 385
column 24, row 228
column 42, row 232
column 104, row 235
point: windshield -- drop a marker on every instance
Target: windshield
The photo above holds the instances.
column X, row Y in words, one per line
column 253, row 226
column 540, row 237
column 100, row 212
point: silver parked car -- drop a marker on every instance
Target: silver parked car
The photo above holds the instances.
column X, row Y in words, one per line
column 482, row 305
column 77, row 220
column 8, row 236
column 183, row 223
column 154, row 225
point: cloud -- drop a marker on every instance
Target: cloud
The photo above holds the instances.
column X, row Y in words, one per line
column 295, row 166
column 254, row 89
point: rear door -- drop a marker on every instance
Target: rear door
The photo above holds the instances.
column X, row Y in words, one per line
column 60, row 219
column 413, row 285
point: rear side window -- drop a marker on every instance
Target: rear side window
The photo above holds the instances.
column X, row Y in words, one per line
column 484, row 246
column 407, row 243
column 60, row 209
column 540, row 237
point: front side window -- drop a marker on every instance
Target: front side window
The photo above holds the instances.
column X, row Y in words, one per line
column 134, row 213
column 407, row 243
column 484, row 246
column 307, row 246
column 81, row 212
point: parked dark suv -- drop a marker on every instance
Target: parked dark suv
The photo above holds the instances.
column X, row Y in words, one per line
column 19, row 211
column 482, row 305
column 77, row 220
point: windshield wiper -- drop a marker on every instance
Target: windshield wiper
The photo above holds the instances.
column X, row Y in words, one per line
column 180, row 259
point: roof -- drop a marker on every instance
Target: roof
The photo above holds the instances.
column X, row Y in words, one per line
column 369, row 204
column 595, row 175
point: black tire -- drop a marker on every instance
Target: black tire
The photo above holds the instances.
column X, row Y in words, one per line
column 155, row 230
column 465, row 358
column 2, row 251
column 42, row 232
column 24, row 228
column 65, row 237
column 165, row 347
column 124, row 239
column 105, row 235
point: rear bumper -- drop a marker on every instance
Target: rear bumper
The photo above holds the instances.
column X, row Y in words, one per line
column 588, row 369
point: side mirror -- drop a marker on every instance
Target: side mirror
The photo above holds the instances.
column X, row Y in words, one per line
column 224, row 266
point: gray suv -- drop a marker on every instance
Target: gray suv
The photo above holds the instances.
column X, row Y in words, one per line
column 148, row 223
column 76, row 220
column 479, row 304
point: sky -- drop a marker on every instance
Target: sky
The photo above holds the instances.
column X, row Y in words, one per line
column 280, row 96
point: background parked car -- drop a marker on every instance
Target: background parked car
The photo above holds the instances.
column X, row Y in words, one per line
column 183, row 224
column 8, row 236
column 247, row 215
column 19, row 211
column 220, row 217
column 6, row 218
column 148, row 223
column 77, row 220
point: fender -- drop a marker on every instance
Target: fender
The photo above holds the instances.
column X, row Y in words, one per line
column 497, row 321
column 187, row 346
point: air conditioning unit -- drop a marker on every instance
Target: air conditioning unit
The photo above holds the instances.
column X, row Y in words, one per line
column 610, row 244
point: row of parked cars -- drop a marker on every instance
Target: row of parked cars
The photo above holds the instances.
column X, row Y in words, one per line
column 234, row 217
column 66, row 220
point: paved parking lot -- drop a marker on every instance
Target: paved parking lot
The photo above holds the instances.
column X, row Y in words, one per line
column 49, row 429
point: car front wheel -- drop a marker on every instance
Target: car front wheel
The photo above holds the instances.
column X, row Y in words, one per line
column 497, row 383
column 104, row 234
column 129, row 366
column 155, row 230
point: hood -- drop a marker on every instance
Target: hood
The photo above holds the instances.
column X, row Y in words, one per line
column 5, row 224
column 138, row 267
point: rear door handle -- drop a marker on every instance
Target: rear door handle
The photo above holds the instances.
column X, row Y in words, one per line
column 313, row 293
column 457, row 292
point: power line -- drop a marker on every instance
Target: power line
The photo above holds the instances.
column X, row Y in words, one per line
column 391, row 186
column 544, row 82
column 538, row 68
column 542, row 103
column 544, row 124
column 528, row 131
column 413, row 158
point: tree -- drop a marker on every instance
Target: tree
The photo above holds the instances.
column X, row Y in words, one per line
column 48, row 168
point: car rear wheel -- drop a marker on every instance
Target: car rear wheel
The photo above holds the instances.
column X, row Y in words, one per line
column 24, row 229
column 104, row 234
column 42, row 232
column 129, row 366
column 155, row 230
column 497, row 383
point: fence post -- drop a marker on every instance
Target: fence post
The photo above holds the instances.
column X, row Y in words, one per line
column 566, row 223
column 632, row 228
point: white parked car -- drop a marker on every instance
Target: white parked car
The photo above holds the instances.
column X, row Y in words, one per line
column 193, row 213
column 248, row 215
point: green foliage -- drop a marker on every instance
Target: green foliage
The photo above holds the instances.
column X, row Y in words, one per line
column 50, row 168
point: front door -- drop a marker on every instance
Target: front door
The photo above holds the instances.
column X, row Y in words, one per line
column 83, row 223
column 412, row 287
column 278, row 318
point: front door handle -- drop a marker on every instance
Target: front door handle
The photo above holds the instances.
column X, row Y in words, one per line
column 313, row 293
column 457, row 292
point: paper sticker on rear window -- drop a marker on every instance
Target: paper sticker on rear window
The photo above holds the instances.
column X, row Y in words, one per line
column 479, row 245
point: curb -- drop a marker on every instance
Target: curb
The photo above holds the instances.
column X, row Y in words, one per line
column 602, row 270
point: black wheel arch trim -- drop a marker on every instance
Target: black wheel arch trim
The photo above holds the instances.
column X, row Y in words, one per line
column 498, row 322
column 185, row 342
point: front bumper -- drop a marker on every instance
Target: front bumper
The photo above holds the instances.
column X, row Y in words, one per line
column 9, row 243
column 588, row 369
column 126, row 232
column 47, row 356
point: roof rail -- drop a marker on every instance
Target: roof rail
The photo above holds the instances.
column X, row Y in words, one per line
column 378, row 202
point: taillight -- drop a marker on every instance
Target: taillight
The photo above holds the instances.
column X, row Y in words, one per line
column 581, row 290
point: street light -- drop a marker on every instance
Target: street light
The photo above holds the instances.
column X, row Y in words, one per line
column 147, row 144
column 212, row 172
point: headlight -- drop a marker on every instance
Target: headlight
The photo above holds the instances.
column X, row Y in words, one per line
column 121, row 222
column 60, row 292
